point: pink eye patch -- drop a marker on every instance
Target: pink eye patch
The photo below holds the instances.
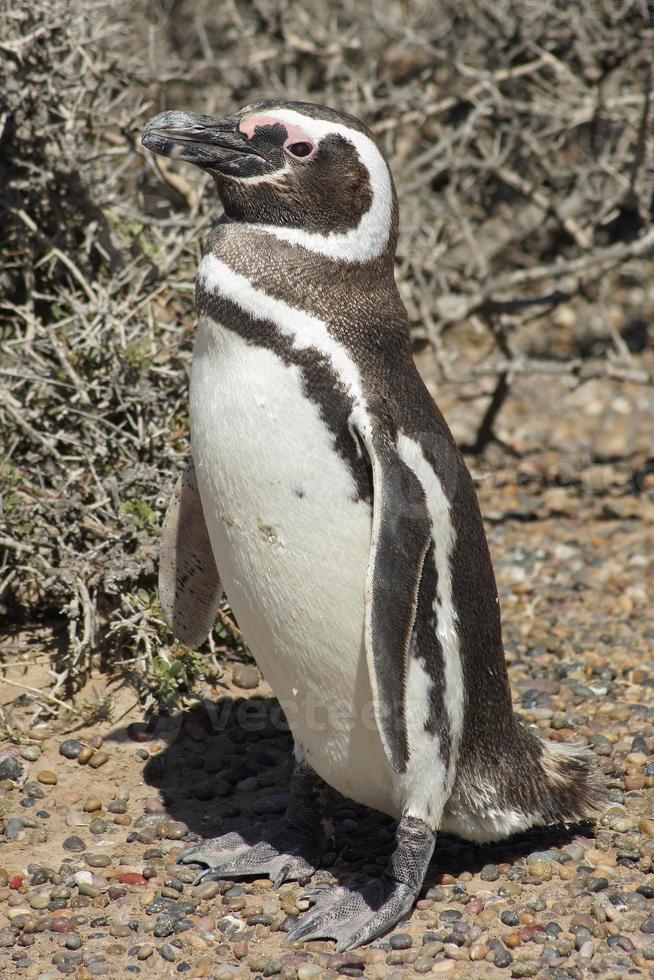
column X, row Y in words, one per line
column 296, row 138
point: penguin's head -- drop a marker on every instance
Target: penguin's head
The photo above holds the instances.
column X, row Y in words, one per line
column 291, row 166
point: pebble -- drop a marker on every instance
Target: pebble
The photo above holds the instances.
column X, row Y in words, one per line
column 14, row 828
column 74, row 844
column 167, row 952
column 309, row 971
column 30, row 752
column 98, row 759
column 11, row 768
column 132, row 878
column 98, row 860
column 39, row 902
column 47, row 777
column 246, row 677
column 206, row 890
column 71, row 748
column 503, row 958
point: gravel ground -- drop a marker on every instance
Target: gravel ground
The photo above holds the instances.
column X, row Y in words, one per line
column 94, row 820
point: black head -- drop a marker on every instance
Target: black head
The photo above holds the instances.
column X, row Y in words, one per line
column 298, row 168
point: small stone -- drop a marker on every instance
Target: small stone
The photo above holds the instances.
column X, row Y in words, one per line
column 92, row 804
column 478, row 951
column 14, row 828
column 309, row 971
column 503, row 958
column 541, row 870
column 85, row 755
column 74, row 844
column 61, row 924
column 30, row 752
column 144, row 952
column 176, row 830
column 11, row 768
column 167, row 952
column 132, row 878
column 47, row 777
column 71, row 748
column 73, row 940
column 401, row 940
column 98, row 759
column 648, row 925
column 206, row 890
column 525, row 969
column 98, row 860
column 91, row 891
column 246, row 677
column 39, row 902
column 587, row 949
column 509, row 918
column 646, row 826
column 489, row 872
column 154, row 806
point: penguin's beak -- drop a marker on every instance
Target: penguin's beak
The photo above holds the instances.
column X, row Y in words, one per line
column 212, row 144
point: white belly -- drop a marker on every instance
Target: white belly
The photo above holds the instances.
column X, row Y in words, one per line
column 291, row 544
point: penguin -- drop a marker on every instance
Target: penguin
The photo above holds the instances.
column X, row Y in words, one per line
column 327, row 498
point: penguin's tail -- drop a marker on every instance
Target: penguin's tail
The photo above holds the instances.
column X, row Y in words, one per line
column 527, row 783
column 573, row 784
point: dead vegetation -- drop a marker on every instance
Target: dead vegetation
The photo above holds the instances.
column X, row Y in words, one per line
column 521, row 137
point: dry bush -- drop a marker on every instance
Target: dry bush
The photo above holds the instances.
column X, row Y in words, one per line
column 520, row 134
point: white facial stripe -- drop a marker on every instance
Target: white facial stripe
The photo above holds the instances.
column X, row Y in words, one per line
column 369, row 238
column 304, row 329
column 270, row 178
column 446, row 618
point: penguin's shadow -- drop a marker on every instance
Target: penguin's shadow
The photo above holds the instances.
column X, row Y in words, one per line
column 228, row 766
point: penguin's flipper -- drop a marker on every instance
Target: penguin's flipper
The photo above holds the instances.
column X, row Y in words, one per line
column 401, row 535
column 189, row 583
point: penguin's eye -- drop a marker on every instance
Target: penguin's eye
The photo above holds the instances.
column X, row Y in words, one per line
column 300, row 149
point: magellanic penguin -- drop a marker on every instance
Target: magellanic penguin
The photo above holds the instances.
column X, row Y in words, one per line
column 328, row 494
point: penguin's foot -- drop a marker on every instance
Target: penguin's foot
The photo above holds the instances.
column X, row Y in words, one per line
column 286, row 850
column 286, row 854
column 355, row 916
